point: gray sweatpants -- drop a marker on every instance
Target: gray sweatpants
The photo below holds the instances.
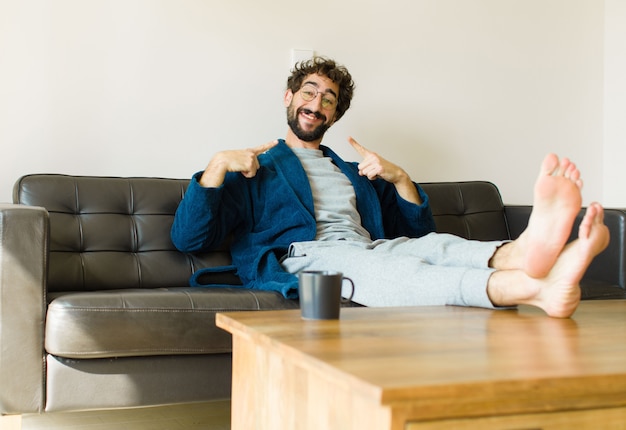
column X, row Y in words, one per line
column 437, row 269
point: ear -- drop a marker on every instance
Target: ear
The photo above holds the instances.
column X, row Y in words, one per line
column 288, row 97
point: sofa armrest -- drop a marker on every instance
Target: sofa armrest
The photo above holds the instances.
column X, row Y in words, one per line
column 606, row 276
column 23, row 265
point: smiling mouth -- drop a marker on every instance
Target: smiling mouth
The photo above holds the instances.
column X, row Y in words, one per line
column 311, row 115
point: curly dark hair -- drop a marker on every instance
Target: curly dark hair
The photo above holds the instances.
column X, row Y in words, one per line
column 329, row 68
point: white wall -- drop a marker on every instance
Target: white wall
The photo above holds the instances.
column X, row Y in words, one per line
column 450, row 89
column 615, row 104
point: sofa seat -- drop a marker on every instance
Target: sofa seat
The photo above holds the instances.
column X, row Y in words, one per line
column 136, row 322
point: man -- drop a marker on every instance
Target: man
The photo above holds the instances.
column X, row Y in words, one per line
column 294, row 205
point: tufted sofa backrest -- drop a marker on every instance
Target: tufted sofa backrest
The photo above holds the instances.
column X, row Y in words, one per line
column 112, row 233
column 473, row 209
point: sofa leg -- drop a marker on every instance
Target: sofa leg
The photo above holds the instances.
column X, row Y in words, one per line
column 10, row 422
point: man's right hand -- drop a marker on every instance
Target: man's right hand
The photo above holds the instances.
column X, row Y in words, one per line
column 238, row 160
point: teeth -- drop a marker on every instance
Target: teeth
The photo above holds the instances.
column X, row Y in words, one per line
column 311, row 116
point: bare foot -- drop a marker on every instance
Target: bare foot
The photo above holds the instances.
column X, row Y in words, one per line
column 558, row 294
column 557, row 201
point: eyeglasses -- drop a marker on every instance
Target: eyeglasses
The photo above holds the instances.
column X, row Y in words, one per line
column 309, row 92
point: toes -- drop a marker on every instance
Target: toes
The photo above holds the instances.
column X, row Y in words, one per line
column 553, row 166
column 564, row 167
column 579, row 183
column 584, row 230
column 550, row 164
column 593, row 221
column 571, row 172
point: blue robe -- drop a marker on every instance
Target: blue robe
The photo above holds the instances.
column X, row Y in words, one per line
column 268, row 212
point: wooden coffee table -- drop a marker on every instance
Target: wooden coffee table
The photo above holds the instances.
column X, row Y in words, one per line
column 429, row 368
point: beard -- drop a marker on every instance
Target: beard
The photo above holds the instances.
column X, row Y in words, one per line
column 306, row 136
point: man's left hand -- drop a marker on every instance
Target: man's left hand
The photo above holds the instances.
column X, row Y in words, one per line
column 374, row 166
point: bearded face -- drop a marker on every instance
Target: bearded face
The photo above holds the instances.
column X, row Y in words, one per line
column 307, row 125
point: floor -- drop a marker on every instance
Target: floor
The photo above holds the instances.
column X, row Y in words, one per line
column 205, row 416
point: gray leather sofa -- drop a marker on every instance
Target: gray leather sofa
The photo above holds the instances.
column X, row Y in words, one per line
column 96, row 312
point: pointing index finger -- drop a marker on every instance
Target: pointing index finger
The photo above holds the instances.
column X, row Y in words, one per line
column 262, row 148
column 357, row 146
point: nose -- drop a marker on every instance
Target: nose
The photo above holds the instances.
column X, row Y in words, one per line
column 317, row 102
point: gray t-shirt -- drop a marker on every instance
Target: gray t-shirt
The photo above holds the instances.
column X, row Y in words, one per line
column 334, row 199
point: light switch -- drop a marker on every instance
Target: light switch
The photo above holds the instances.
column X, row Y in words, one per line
column 298, row 55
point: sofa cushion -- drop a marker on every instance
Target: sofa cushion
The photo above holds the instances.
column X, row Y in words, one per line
column 473, row 210
column 163, row 321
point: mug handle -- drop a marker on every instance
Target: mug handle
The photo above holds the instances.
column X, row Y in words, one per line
column 346, row 300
